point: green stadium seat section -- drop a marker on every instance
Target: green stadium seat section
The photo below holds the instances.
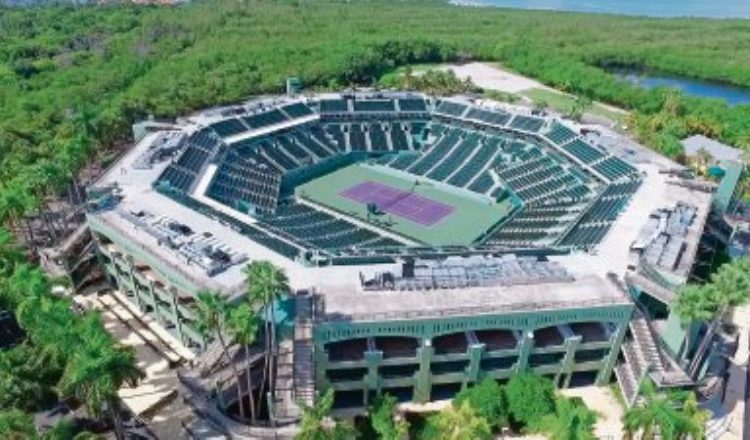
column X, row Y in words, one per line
column 412, row 105
column 239, row 180
column 560, row 134
column 472, row 168
column 488, row 116
column 527, row 123
column 297, row 110
column 441, row 148
column 451, row 109
column 378, row 140
column 320, row 230
column 357, row 139
column 229, row 127
column 583, row 151
column 264, row 119
column 615, row 168
column 374, row 105
column 334, row 106
column 455, row 158
column 181, row 174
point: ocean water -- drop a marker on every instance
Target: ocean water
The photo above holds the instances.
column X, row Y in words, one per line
column 653, row 8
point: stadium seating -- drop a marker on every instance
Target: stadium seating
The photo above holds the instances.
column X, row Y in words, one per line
column 483, row 183
column 181, row 174
column 277, row 155
column 374, row 105
column 614, row 168
column 451, row 108
column 583, row 151
column 455, row 158
column 229, row 127
column 560, row 134
column 441, row 148
column 378, row 140
column 412, row 105
column 403, row 161
column 527, row 123
column 487, row 116
column 556, row 202
column 321, row 230
column 471, row 168
column 265, row 119
column 357, row 138
column 335, row 131
column 297, row 110
column 398, row 137
column 334, row 106
column 238, row 180
column 312, row 145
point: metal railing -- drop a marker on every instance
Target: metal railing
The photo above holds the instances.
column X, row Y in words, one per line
column 473, row 310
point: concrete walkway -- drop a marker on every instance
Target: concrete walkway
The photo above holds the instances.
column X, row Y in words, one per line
column 736, row 395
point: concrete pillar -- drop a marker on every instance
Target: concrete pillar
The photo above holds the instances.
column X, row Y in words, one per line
column 527, row 344
column 475, row 357
column 422, row 389
column 373, row 358
column 609, row 363
column 321, row 363
column 571, row 345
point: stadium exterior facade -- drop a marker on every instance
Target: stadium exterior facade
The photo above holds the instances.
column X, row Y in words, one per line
column 569, row 282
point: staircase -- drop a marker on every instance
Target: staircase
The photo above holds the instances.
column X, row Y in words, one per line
column 663, row 370
column 304, row 382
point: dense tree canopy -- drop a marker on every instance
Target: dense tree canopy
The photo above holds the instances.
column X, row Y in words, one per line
column 72, row 79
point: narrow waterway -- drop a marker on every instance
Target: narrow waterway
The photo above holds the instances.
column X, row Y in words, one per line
column 693, row 87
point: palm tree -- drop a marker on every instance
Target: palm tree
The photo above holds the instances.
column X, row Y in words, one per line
column 243, row 325
column 668, row 415
column 693, row 304
column 213, row 311
column 96, row 371
column 729, row 287
column 317, row 424
column 266, row 284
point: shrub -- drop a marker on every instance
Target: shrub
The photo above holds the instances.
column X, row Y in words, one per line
column 530, row 397
column 488, row 400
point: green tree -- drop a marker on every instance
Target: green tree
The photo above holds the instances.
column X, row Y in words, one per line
column 488, row 400
column 16, row 425
column 670, row 415
column 317, row 424
column 266, row 285
column 694, row 303
column 530, row 397
column 213, row 311
column 570, row 421
column 243, row 325
column 729, row 287
column 457, row 423
column 96, row 371
column 385, row 420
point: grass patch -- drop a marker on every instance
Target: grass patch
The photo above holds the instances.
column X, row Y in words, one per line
column 563, row 103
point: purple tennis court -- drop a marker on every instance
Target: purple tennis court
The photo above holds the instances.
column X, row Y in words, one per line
column 405, row 204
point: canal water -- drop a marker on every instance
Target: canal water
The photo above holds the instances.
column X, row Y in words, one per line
column 691, row 87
